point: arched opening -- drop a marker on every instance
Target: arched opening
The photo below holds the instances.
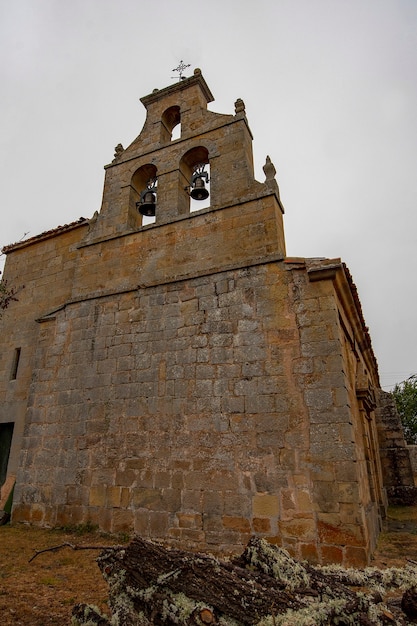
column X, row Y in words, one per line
column 194, row 173
column 142, row 180
column 171, row 124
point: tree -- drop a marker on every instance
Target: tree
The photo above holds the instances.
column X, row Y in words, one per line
column 405, row 396
column 7, row 295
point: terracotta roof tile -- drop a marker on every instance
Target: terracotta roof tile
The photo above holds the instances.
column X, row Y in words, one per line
column 45, row 235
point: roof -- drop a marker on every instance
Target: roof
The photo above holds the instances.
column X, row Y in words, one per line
column 45, row 235
column 324, row 268
column 184, row 83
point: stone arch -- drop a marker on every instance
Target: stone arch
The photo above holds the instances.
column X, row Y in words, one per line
column 171, row 118
column 138, row 183
column 192, row 158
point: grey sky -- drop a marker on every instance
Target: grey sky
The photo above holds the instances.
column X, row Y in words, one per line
column 330, row 88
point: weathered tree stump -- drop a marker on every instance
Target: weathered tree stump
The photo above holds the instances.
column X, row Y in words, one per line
column 409, row 604
column 149, row 584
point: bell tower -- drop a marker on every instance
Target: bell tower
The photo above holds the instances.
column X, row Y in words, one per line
column 159, row 179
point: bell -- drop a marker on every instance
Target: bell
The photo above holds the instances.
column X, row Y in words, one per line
column 199, row 191
column 147, row 204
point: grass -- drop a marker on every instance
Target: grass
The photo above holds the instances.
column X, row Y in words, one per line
column 43, row 592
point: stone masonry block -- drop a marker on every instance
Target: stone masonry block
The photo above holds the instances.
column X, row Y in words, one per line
column 288, row 503
column 331, row 416
column 232, row 404
column 348, row 492
column 319, row 399
column 239, row 524
column 264, row 505
column 304, row 501
column 270, row 439
column 212, row 502
column 301, row 529
column 315, row 333
column 191, row 500
column 335, row 533
column 141, row 522
column 190, row 520
column 355, row 557
column 171, row 500
column 321, row 348
column 158, row 524
column 221, row 387
column 212, row 523
column 237, row 505
column 261, row 526
column 326, row 496
column 309, row 552
column 97, row 495
column 331, row 554
column 147, row 498
column 123, row 521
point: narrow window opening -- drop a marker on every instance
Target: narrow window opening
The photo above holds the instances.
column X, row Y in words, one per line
column 6, row 436
column 15, row 365
column 171, row 124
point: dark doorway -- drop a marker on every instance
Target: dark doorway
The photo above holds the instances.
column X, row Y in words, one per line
column 6, row 434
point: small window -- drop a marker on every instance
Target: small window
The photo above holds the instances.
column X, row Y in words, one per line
column 171, row 124
column 15, row 365
column 6, row 436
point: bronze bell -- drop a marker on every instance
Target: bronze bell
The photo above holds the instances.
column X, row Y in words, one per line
column 198, row 187
column 199, row 191
column 147, row 203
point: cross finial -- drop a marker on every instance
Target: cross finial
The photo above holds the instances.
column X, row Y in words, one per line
column 181, row 67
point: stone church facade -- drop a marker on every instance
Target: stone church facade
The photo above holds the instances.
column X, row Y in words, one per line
column 178, row 375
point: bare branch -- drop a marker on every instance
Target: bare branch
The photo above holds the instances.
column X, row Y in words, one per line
column 72, row 546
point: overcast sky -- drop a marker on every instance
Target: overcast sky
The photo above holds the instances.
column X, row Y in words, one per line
column 330, row 88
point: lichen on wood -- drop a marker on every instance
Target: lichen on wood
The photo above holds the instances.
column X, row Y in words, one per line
column 265, row 586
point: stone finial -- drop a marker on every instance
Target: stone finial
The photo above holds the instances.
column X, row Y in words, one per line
column 118, row 151
column 93, row 219
column 239, row 106
column 269, row 169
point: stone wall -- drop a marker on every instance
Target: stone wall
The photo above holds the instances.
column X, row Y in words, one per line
column 190, row 412
column 43, row 274
column 170, row 410
column 395, row 455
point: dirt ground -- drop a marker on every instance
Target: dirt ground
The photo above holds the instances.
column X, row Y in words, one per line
column 43, row 591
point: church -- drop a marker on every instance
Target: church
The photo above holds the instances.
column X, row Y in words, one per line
column 169, row 371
